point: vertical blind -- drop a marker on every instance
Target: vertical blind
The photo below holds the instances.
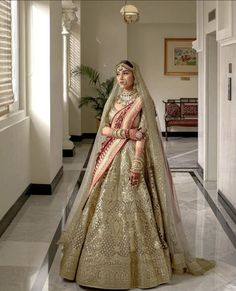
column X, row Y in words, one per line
column 6, row 92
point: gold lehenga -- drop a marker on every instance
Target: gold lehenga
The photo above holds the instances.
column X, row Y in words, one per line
column 123, row 236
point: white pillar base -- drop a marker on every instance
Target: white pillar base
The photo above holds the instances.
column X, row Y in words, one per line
column 68, row 144
column 68, row 148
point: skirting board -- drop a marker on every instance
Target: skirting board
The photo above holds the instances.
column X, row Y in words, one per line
column 76, row 138
column 39, row 189
column 200, row 170
column 181, row 133
column 46, row 189
column 228, row 206
column 68, row 153
column 11, row 213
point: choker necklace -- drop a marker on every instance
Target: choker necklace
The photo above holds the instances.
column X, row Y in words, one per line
column 126, row 97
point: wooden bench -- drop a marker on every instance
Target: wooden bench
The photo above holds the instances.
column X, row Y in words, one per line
column 181, row 112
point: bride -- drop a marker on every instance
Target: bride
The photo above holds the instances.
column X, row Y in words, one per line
column 127, row 230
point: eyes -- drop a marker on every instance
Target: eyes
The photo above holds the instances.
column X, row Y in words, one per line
column 123, row 72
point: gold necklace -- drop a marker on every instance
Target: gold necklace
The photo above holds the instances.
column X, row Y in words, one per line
column 126, row 97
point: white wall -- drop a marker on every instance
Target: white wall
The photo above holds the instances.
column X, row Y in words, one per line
column 225, row 27
column 166, row 11
column 103, row 45
column 146, row 47
column 227, row 130
column 15, row 163
column 205, row 27
column 45, row 89
column 75, row 126
column 15, row 140
column 201, row 108
column 56, row 98
column 106, row 40
column 31, row 146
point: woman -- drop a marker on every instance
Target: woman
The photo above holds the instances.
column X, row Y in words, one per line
column 127, row 230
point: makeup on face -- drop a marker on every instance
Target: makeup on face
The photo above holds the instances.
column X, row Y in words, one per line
column 125, row 78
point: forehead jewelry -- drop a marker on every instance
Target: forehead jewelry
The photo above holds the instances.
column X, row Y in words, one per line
column 120, row 69
column 123, row 67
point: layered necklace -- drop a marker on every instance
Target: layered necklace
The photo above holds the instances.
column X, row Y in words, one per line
column 126, row 97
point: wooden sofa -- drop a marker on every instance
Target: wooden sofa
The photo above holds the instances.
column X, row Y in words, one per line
column 181, row 112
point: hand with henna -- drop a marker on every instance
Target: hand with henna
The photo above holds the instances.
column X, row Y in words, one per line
column 134, row 178
column 137, row 133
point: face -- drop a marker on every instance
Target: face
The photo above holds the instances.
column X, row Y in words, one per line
column 125, row 78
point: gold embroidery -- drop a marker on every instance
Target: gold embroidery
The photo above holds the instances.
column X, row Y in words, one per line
column 118, row 241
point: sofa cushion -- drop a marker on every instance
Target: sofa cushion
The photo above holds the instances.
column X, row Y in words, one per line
column 173, row 110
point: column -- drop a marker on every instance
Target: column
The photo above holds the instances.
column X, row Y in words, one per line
column 68, row 17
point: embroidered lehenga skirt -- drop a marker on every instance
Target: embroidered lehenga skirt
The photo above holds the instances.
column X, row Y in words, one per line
column 117, row 242
column 119, row 239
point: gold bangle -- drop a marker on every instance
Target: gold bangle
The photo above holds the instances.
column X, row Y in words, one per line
column 137, row 165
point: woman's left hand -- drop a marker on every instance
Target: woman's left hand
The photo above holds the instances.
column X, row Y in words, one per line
column 134, row 178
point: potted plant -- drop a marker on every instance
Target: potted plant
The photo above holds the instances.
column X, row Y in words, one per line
column 102, row 89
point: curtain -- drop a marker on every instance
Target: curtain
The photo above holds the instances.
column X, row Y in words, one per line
column 6, row 92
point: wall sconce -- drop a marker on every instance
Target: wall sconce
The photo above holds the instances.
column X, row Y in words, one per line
column 130, row 13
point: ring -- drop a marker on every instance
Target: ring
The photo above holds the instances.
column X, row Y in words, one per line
column 138, row 135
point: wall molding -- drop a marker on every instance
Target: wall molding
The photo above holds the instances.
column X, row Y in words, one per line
column 198, row 43
column 228, row 206
column 226, row 33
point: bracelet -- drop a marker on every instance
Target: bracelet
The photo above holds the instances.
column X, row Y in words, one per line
column 120, row 133
column 137, row 165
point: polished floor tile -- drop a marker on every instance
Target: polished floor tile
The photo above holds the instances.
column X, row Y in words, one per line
column 181, row 152
column 26, row 246
column 22, row 254
column 9, row 278
column 206, row 239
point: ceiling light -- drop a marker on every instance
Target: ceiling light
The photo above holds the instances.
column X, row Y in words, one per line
column 130, row 13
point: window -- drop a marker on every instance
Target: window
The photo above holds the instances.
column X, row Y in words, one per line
column 8, row 55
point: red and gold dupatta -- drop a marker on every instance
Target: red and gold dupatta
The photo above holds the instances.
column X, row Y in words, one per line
column 123, row 119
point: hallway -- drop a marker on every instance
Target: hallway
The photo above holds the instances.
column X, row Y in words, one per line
column 30, row 257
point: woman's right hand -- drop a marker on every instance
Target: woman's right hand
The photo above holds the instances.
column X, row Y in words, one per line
column 137, row 133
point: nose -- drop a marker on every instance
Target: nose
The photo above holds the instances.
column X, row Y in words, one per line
column 121, row 76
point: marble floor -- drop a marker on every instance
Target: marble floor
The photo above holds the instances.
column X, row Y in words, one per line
column 29, row 256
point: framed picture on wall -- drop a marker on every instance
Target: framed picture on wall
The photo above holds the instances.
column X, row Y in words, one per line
column 180, row 57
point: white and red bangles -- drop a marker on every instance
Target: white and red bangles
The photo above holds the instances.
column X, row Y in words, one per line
column 120, row 133
column 128, row 133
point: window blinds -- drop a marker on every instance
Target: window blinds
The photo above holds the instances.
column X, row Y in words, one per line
column 6, row 92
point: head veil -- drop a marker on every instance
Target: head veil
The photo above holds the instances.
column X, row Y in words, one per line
column 157, row 167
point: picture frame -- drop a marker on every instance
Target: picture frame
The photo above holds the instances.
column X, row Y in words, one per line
column 180, row 59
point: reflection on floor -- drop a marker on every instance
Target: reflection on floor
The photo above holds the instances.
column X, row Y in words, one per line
column 27, row 248
column 182, row 152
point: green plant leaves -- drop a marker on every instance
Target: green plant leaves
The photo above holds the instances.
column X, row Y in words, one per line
column 103, row 89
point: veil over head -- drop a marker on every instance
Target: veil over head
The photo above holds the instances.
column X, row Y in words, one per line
column 157, row 167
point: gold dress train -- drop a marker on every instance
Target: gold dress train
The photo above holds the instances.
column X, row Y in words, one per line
column 123, row 236
column 118, row 240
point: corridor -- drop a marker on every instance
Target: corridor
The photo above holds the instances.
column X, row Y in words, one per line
column 30, row 257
